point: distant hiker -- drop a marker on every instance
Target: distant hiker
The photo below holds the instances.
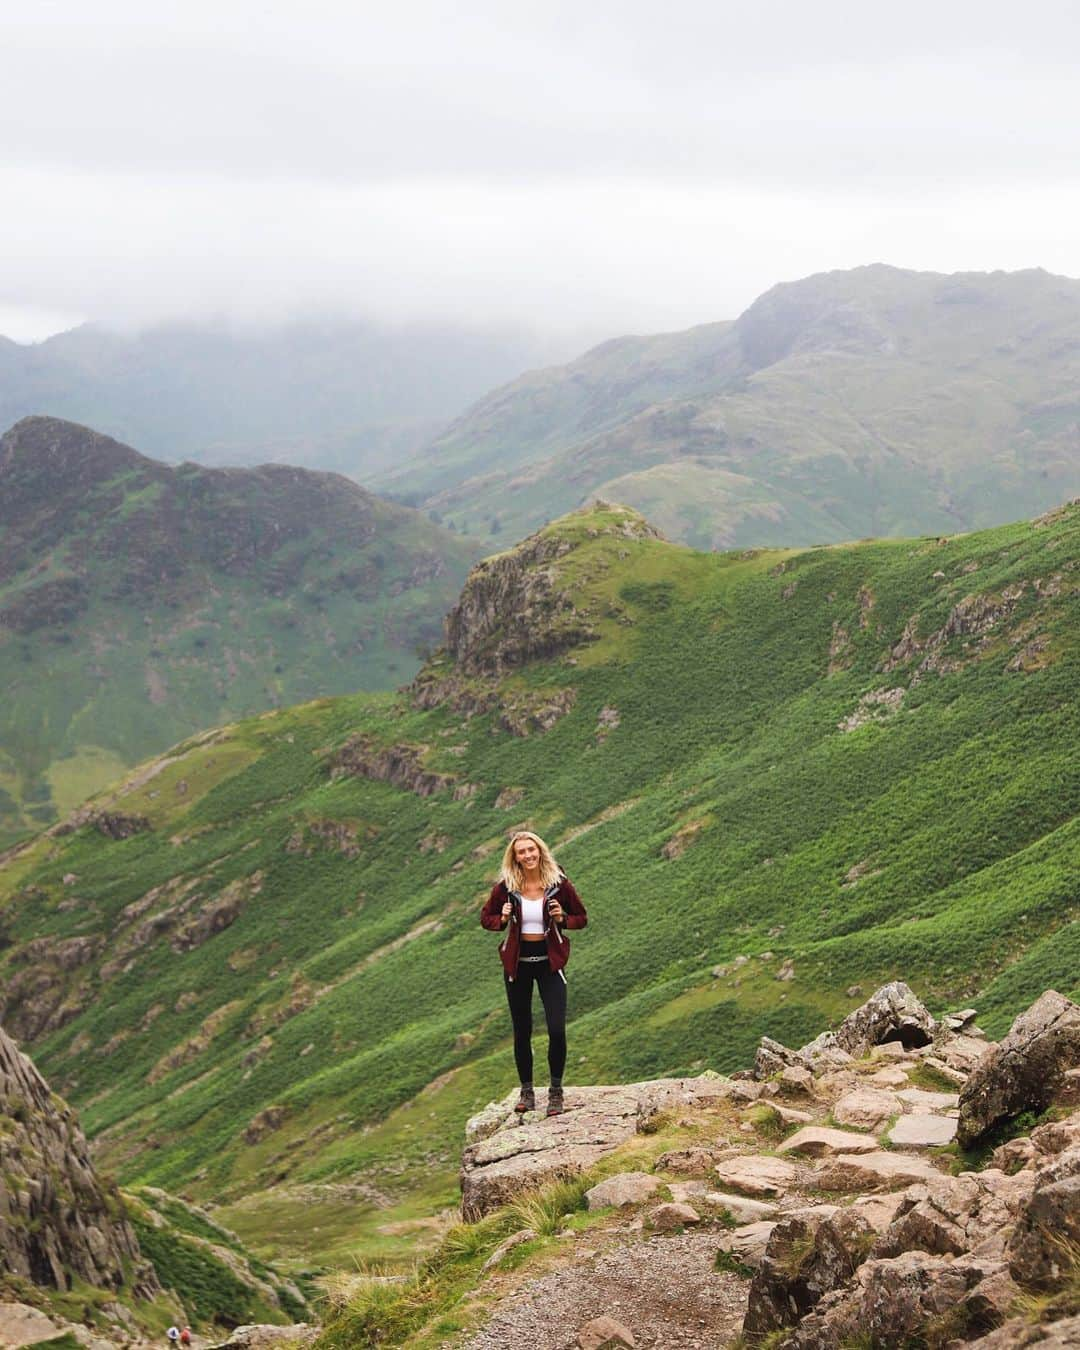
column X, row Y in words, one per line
column 173, row 1334
column 534, row 900
column 185, row 1336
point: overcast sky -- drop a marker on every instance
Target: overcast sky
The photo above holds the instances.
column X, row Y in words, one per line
column 594, row 167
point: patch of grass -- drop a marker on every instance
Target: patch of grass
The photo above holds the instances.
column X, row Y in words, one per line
column 925, row 1076
column 731, row 1265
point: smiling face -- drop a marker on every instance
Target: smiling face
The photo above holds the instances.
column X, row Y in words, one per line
column 526, row 854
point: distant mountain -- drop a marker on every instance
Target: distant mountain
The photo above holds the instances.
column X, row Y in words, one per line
column 329, row 394
column 778, row 780
column 869, row 402
column 140, row 603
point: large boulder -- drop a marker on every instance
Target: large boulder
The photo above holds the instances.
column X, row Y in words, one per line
column 892, row 1014
column 1025, row 1070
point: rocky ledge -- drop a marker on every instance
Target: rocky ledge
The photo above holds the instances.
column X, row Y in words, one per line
column 828, row 1185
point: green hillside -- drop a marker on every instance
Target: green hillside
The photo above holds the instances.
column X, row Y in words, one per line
column 845, row 765
column 140, row 603
column 875, row 401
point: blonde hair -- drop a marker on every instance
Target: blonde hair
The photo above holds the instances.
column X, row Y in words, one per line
column 511, row 874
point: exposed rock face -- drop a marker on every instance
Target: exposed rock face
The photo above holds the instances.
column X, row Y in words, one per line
column 892, row 1302
column 805, row 1258
column 1025, row 1070
column 57, row 1220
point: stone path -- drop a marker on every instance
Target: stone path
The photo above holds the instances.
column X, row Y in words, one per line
column 664, row 1288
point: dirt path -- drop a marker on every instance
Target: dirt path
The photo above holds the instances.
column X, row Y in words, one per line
column 663, row 1288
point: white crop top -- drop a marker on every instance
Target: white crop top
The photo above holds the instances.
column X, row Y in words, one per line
column 532, row 917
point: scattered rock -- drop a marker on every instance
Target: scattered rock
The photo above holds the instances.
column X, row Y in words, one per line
column 625, row 1188
column 866, row 1107
column 795, row 1081
column 747, row 1244
column 917, row 1099
column 772, row 1058
column 604, row 1333
column 670, row 1217
column 741, row 1209
column 265, row 1337
column 818, row 1141
column 757, row 1175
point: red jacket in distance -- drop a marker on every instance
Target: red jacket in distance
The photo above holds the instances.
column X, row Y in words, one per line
column 558, row 944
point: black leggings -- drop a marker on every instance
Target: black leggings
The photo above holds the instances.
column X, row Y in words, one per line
column 519, row 994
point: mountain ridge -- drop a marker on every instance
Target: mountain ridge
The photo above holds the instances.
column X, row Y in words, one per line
column 190, row 594
column 875, row 401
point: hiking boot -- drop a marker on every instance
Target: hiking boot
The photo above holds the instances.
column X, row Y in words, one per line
column 555, row 1106
column 526, row 1099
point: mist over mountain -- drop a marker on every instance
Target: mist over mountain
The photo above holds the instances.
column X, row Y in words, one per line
column 341, row 394
column 875, row 401
column 140, row 603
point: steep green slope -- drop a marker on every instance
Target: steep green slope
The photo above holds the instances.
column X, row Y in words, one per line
column 842, row 765
column 870, row 402
column 140, row 603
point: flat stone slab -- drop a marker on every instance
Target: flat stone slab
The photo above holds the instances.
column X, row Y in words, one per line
column 820, row 1141
column 747, row 1244
column 890, row 1076
column 757, row 1175
column 866, row 1107
column 878, row 1210
column 505, row 1156
column 916, row 1099
column 739, row 1207
column 20, row 1324
column 872, row 1172
column 918, row 1131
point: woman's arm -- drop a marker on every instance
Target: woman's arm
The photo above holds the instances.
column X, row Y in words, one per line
column 574, row 915
column 491, row 915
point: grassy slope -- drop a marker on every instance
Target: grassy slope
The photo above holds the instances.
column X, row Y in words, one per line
column 958, row 812
column 870, row 402
column 204, row 596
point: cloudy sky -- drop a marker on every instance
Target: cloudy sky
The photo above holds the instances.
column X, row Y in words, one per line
column 594, row 167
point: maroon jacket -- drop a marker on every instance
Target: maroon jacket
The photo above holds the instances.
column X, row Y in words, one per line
column 558, row 944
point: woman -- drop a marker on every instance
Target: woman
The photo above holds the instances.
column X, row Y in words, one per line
column 535, row 901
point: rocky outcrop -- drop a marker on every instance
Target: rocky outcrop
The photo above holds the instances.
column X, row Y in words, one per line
column 1025, row 1070
column 892, row 1014
column 514, row 607
column 399, row 765
column 58, row 1221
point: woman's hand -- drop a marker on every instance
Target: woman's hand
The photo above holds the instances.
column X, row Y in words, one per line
column 556, row 911
column 507, row 910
